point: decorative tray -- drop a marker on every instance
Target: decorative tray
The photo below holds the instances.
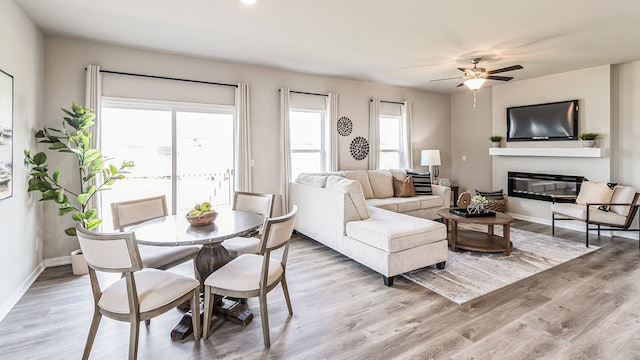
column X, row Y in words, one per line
column 465, row 213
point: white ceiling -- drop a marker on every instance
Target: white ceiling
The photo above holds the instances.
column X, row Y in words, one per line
column 406, row 42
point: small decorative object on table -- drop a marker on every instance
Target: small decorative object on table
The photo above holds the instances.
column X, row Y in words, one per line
column 444, row 182
column 495, row 140
column 477, row 204
column 201, row 215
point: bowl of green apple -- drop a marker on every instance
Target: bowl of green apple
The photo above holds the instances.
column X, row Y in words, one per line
column 201, row 215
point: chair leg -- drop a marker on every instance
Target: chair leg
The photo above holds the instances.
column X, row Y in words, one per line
column 285, row 290
column 95, row 322
column 208, row 309
column 553, row 224
column 134, row 332
column 265, row 318
column 195, row 313
column 587, row 233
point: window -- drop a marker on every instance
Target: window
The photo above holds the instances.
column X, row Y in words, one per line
column 308, row 141
column 184, row 151
column 390, row 142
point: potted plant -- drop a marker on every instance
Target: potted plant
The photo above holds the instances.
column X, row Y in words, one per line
column 495, row 140
column 95, row 175
column 588, row 139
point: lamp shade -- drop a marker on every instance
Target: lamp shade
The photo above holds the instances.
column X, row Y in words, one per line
column 430, row 157
column 474, row 84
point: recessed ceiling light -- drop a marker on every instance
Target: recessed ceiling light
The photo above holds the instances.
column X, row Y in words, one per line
column 248, row 2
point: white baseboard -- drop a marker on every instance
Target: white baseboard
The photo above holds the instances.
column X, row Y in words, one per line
column 62, row 260
column 574, row 225
column 13, row 299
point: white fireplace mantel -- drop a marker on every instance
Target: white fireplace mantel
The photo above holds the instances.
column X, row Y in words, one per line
column 555, row 152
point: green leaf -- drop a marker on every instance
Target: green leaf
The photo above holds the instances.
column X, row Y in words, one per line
column 37, row 184
column 70, row 231
column 49, row 195
column 83, row 198
column 110, row 182
column 61, row 195
column 90, row 155
column 65, row 210
column 40, row 134
column 113, row 169
column 93, row 223
column 90, row 214
column 38, row 174
column 78, row 216
column 64, row 200
column 40, row 158
column 57, row 146
column 56, row 177
column 77, row 108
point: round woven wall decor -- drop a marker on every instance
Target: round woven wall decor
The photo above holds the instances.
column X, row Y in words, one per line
column 359, row 148
column 344, row 126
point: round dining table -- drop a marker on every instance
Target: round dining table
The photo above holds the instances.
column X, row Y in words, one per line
column 175, row 230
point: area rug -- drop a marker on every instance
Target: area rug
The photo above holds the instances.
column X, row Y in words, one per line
column 469, row 275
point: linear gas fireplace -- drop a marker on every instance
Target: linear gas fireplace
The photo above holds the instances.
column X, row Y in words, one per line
column 542, row 186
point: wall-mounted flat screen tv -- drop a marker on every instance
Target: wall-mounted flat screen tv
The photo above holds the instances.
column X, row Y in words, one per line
column 551, row 121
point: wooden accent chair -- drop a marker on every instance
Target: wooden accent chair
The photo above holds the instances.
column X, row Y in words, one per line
column 254, row 202
column 618, row 214
column 138, row 296
column 132, row 212
column 254, row 275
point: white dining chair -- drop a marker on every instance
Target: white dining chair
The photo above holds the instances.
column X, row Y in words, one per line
column 128, row 213
column 254, row 275
column 141, row 294
column 254, row 202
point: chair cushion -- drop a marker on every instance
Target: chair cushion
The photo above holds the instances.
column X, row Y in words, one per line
column 353, row 188
column 159, row 256
column 622, row 195
column 579, row 212
column 243, row 273
column 242, row 245
column 156, row 288
column 594, row 192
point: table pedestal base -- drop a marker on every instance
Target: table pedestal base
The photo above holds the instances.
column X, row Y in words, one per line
column 227, row 309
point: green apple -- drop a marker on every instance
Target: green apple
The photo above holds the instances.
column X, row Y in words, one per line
column 205, row 206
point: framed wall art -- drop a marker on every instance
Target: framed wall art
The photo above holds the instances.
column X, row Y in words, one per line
column 6, row 135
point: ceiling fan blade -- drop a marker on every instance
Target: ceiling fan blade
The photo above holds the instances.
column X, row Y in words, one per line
column 463, row 70
column 461, row 84
column 501, row 78
column 510, row 68
column 458, row 77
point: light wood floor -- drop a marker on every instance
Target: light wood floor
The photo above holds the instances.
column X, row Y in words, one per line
column 588, row 308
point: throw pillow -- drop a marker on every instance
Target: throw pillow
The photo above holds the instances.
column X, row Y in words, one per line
column 592, row 192
column 403, row 188
column 491, row 195
column 354, row 190
column 421, row 182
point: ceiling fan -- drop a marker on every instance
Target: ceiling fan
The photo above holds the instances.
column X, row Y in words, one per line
column 475, row 77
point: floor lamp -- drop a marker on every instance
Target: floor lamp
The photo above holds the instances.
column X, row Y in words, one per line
column 431, row 158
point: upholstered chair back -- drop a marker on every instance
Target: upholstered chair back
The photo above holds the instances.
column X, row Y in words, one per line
column 132, row 212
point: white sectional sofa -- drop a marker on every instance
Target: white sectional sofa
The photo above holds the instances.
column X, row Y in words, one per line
column 355, row 213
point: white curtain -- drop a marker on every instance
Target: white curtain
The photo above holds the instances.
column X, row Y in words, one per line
column 332, row 134
column 285, row 148
column 243, row 156
column 407, row 159
column 374, row 134
column 92, row 99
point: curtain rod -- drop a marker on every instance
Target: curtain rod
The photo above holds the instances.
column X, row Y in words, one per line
column 390, row 102
column 164, row 78
column 305, row 93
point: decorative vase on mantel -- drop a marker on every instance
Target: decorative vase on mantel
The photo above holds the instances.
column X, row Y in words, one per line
column 495, row 141
column 495, row 144
column 588, row 139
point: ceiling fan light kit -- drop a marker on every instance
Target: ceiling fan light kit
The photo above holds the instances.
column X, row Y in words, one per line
column 475, row 77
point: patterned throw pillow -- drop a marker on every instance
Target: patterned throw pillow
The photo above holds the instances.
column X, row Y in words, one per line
column 491, row 195
column 421, row 182
column 592, row 192
column 403, row 188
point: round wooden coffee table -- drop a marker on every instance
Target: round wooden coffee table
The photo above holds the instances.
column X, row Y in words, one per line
column 477, row 240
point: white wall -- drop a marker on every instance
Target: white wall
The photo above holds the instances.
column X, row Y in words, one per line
column 20, row 215
column 470, row 132
column 592, row 87
column 67, row 58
